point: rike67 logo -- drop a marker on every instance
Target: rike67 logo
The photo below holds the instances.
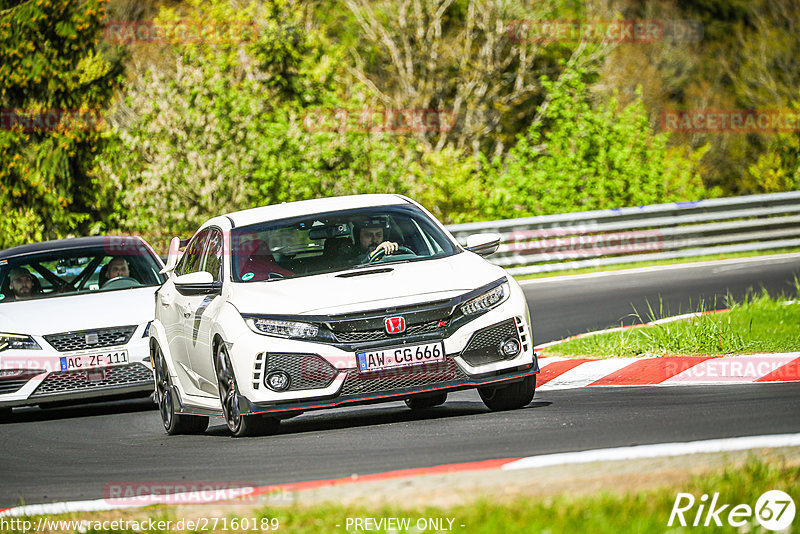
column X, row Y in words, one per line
column 774, row 510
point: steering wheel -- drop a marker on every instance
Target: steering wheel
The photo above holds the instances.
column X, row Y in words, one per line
column 121, row 282
column 380, row 253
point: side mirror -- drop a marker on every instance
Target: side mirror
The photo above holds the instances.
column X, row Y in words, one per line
column 172, row 255
column 198, row 283
column 483, row 244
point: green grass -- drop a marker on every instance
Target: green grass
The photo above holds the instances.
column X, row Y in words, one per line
column 758, row 324
column 611, row 512
column 636, row 265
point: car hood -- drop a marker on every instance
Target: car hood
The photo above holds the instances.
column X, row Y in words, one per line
column 331, row 294
column 78, row 312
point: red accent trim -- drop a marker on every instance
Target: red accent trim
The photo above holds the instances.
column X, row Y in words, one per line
column 401, row 473
column 786, row 373
column 649, row 371
column 551, row 371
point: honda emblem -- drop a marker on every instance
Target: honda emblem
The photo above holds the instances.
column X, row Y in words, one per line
column 395, row 325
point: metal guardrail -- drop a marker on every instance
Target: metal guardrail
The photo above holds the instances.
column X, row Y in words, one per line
column 646, row 233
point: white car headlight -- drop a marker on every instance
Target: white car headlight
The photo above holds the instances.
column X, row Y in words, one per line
column 487, row 301
column 275, row 327
column 17, row 341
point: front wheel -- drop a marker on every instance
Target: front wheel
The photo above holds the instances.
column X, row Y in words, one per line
column 239, row 425
column 174, row 423
column 510, row 397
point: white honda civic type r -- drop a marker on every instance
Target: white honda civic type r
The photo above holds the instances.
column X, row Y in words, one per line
column 282, row 309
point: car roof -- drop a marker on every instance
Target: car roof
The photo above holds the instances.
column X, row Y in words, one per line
column 307, row 207
column 75, row 243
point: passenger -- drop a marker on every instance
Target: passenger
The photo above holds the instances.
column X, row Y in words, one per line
column 22, row 283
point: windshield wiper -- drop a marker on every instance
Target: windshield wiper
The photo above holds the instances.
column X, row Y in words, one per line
column 361, row 272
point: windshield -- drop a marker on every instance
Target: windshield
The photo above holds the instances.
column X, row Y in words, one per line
column 68, row 272
column 335, row 241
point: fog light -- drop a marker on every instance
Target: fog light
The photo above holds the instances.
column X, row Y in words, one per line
column 510, row 348
column 278, row 381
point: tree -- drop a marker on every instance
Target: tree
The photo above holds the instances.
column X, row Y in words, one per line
column 590, row 155
column 473, row 57
column 56, row 79
column 226, row 127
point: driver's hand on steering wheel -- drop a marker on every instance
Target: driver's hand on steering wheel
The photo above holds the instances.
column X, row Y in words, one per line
column 388, row 247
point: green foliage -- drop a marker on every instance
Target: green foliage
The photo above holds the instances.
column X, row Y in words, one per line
column 758, row 324
column 584, row 155
column 51, row 65
column 450, row 185
column 777, row 169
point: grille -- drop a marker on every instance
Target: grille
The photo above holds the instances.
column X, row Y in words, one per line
column 375, row 335
column 392, row 379
column 90, row 339
column 484, row 347
column 13, row 385
column 117, row 376
column 307, row 371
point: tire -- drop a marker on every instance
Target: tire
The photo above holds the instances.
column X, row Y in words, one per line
column 510, row 397
column 238, row 424
column 5, row 415
column 174, row 423
column 428, row 401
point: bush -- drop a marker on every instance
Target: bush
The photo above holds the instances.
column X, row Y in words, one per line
column 582, row 156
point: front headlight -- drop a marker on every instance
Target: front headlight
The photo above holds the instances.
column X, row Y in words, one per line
column 275, row 327
column 487, row 301
column 17, row 341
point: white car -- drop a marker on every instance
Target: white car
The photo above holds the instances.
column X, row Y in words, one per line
column 74, row 315
column 309, row 305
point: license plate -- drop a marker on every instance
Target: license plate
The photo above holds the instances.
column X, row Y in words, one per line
column 391, row 357
column 95, row 359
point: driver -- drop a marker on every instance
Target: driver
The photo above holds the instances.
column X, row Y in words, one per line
column 117, row 267
column 370, row 240
column 21, row 283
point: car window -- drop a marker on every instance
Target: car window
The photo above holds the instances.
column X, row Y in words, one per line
column 191, row 260
column 334, row 241
column 82, row 270
column 212, row 256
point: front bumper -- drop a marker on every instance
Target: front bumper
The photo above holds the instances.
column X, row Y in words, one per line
column 385, row 390
column 42, row 381
column 327, row 375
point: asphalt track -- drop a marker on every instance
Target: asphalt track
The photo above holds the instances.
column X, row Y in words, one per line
column 74, row 453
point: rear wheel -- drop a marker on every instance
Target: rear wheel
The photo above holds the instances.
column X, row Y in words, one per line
column 428, row 401
column 239, row 425
column 174, row 423
column 510, row 397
